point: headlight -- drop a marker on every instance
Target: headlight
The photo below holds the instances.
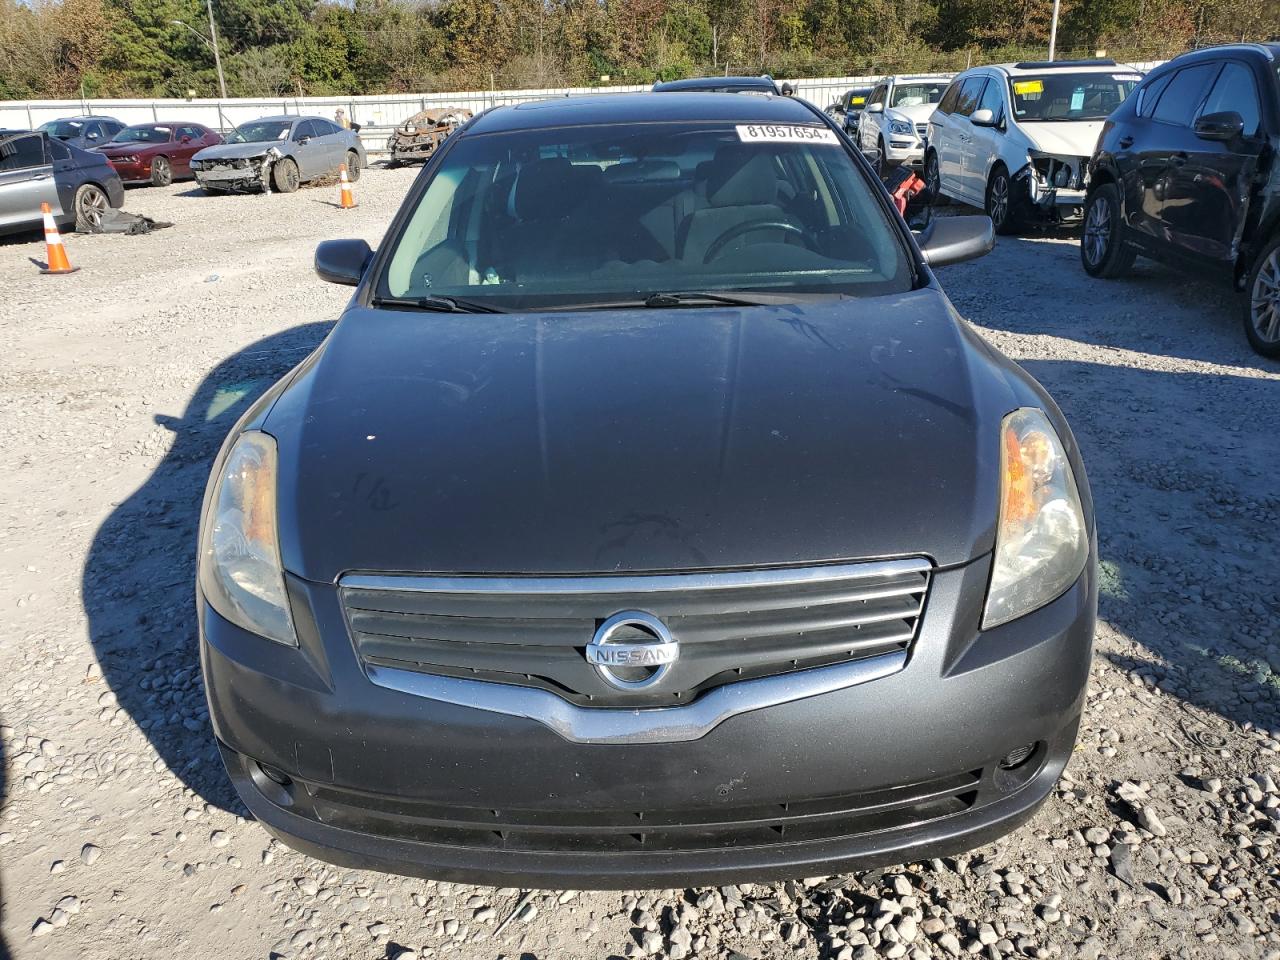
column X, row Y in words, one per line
column 901, row 127
column 240, row 570
column 1041, row 543
column 195, row 164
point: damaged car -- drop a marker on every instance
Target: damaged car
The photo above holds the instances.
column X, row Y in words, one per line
column 278, row 153
column 415, row 140
column 1016, row 138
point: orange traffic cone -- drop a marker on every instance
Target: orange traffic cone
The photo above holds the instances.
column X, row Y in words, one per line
column 345, row 198
column 55, row 253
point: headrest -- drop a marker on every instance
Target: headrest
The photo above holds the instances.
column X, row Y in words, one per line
column 742, row 175
column 643, row 171
column 542, row 189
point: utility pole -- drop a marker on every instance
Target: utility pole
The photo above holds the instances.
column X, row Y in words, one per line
column 218, row 59
column 1053, row 30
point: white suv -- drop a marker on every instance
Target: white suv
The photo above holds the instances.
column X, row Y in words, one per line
column 895, row 120
column 1016, row 139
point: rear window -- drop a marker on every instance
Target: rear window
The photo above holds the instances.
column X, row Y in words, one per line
column 1070, row 96
column 547, row 218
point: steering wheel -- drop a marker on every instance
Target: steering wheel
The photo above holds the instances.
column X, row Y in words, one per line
column 741, row 229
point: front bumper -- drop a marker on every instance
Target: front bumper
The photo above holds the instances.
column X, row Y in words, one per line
column 907, row 150
column 227, row 177
column 897, row 769
column 131, row 172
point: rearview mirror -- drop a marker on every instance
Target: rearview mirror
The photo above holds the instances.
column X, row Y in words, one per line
column 874, row 108
column 1226, row 125
column 342, row 261
column 983, row 118
column 949, row 240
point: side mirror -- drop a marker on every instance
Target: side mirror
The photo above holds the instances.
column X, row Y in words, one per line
column 186, row 138
column 1226, row 125
column 949, row 240
column 342, row 261
column 302, row 139
column 94, row 136
column 983, row 118
column 873, row 108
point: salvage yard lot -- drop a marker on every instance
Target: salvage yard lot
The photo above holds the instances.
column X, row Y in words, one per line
column 120, row 834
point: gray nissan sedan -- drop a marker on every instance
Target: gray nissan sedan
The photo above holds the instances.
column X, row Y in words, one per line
column 649, row 518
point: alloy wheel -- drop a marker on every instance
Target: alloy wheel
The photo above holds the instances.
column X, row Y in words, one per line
column 1264, row 306
column 1097, row 231
column 91, row 205
column 998, row 202
column 161, row 173
column 932, row 176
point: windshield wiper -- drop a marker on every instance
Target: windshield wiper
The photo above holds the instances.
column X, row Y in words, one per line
column 659, row 300
column 436, row 304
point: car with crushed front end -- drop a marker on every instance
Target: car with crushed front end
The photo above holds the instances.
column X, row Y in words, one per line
column 698, row 541
column 1016, row 138
column 278, row 153
column 1185, row 172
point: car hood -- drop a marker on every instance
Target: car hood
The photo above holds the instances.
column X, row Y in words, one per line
column 641, row 439
column 126, row 149
column 1071, row 138
column 920, row 113
column 236, row 151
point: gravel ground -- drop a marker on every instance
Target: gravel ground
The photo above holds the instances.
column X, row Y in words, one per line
column 120, row 836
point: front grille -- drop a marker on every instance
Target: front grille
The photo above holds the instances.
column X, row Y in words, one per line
column 730, row 626
column 619, row 831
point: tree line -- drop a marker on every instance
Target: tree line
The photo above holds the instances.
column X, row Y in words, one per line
column 161, row 48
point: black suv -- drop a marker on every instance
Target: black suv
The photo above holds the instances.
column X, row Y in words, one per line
column 1184, row 171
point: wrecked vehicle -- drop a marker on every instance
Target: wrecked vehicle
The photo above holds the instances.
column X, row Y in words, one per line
column 278, row 153
column 417, row 138
column 1016, row 138
column 1185, row 172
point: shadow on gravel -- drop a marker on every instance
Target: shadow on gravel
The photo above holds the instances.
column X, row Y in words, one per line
column 139, row 577
column 1155, row 309
column 4, row 949
column 1182, row 468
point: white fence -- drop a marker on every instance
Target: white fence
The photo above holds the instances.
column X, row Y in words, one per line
column 377, row 115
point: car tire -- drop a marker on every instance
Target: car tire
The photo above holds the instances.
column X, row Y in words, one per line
column 881, row 162
column 284, row 176
column 1001, row 204
column 90, row 204
column 1262, row 300
column 932, row 178
column 353, row 166
column 161, row 172
column 1102, row 253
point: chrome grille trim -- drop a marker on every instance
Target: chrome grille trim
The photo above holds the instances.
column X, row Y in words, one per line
column 438, row 635
column 619, row 726
column 638, row 583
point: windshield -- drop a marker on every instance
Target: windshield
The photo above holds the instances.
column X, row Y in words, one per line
column 918, row 94
column 142, row 135
column 1070, row 96
column 608, row 214
column 63, row 128
column 261, row 131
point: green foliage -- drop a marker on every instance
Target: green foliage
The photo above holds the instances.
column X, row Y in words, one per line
column 271, row 47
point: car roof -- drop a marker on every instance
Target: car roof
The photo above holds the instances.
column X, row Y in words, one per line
column 701, row 83
column 1268, row 51
column 1041, row 68
column 290, row 117
column 634, row 108
column 912, row 77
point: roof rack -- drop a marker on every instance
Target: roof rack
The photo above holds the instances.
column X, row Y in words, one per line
column 1061, row 64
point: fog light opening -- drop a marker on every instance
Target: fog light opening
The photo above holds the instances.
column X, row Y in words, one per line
column 1017, row 756
column 276, row 776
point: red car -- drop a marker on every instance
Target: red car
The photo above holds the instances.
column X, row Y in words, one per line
column 157, row 152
